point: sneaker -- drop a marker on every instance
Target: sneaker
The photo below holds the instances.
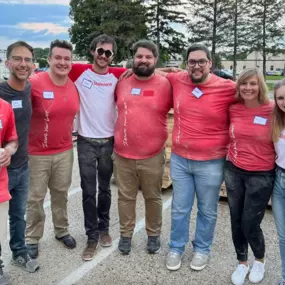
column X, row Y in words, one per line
column 239, row 274
column 3, row 278
column 125, row 245
column 199, row 261
column 173, row 260
column 89, row 251
column 153, row 245
column 68, row 241
column 26, row 263
column 281, row 282
column 33, row 250
column 105, row 239
column 257, row 272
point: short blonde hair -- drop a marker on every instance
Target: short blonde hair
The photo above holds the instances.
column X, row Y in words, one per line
column 263, row 91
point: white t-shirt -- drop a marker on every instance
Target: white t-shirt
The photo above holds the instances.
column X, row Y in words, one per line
column 280, row 150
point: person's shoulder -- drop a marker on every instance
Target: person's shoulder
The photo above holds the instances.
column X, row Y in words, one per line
column 36, row 77
column 117, row 71
column 77, row 69
column 5, row 105
column 177, row 75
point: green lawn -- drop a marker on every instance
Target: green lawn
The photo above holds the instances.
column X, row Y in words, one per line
column 270, row 77
column 270, row 86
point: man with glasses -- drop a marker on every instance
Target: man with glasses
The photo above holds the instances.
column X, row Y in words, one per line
column 199, row 147
column 96, row 84
column 17, row 91
column 55, row 102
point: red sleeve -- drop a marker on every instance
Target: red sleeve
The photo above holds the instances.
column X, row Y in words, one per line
column 77, row 69
column 11, row 132
column 117, row 71
column 172, row 76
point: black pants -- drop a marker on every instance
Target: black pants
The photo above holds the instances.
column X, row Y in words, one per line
column 248, row 195
column 95, row 164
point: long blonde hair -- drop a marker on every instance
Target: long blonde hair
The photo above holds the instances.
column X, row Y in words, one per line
column 263, row 91
column 278, row 116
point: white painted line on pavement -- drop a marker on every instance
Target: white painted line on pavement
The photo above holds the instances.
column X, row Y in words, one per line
column 84, row 269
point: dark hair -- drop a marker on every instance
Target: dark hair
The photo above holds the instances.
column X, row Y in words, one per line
column 150, row 45
column 18, row 44
column 196, row 47
column 60, row 44
column 103, row 39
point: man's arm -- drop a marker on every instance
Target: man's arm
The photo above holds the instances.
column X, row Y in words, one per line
column 10, row 148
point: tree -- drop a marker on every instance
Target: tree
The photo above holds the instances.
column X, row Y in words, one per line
column 267, row 27
column 124, row 20
column 162, row 15
column 41, row 53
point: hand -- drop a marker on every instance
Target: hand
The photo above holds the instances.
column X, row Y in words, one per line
column 175, row 69
column 126, row 74
column 5, row 158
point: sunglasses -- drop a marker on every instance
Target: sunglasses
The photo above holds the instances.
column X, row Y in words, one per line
column 100, row 51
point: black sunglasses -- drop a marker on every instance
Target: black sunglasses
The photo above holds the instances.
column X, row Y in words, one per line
column 100, row 51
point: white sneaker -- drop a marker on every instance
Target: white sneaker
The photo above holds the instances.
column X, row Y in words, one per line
column 257, row 272
column 199, row 261
column 239, row 274
column 173, row 260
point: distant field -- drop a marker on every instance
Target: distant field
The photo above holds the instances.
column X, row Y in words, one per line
column 270, row 77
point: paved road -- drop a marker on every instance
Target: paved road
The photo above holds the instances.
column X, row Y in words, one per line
column 65, row 267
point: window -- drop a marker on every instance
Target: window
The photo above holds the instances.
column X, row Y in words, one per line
column 271, row 67
column 244, row 67
column 231, row 67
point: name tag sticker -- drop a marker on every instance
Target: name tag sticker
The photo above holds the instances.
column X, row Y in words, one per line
column 1, row 126
column 48, row 95
column 17, row 104
column 136, row 91
column 87, row 83
column 148, row 93
column 259, row 120
column 197, row 92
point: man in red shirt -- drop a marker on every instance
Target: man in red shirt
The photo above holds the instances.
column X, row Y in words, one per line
column 9, row 145
column 199, row 145
column 143, row 101
column 55, row 102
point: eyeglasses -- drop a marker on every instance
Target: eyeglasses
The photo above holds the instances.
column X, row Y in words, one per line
column 100, row 51
column 201, row 62
column 19, row 59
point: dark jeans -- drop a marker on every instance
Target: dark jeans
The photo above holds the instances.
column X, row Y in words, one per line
column 95, row 164
column 248, row 195
column 18, row 187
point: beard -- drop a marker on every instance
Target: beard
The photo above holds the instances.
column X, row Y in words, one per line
column 199, row 80
column 143, row 72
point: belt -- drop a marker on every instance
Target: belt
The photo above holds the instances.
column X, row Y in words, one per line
column 100, row 140
column 280, row 168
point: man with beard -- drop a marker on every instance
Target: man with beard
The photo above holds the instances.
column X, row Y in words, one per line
column 143, row 101
column 17, row 91
column 199, row 146
column 55, row 102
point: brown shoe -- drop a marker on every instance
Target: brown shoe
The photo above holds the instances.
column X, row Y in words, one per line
column 105, row 239
column 89, row 251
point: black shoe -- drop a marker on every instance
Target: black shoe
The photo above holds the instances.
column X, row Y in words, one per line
column 3, row 278
column 68, row 241
column 153, row 245
column 125, row 245
column 33, row 250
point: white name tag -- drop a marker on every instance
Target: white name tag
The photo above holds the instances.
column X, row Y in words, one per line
column 197, row 92
column 1, row 126
column 136, row 91
column 17, row 104
column 48, row 95
column 259, row 120
column 87, row 83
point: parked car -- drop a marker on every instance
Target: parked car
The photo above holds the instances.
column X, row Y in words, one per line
column 274, row 73
column 38, row 70
column 223, row 74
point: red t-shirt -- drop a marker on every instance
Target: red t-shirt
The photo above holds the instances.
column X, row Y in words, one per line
column 141, row 127
column 251, row 147
column 54, row 109
column 7, row 133
column 201, row 121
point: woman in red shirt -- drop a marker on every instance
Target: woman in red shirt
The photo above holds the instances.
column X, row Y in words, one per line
column 249, row 171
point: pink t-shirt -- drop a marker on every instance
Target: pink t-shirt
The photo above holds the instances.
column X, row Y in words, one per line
column 251, row 147
column 54, row 109
column 141, row 127
column 7, row 133
column 201, row 120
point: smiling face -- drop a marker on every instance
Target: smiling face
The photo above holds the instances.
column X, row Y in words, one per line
column 20, row 63
column 60, row 61
column 101, row 60
column 280, row 98
column 249, row 89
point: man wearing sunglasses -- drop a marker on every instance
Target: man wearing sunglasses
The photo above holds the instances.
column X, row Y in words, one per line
column 96, row 84
column 199, row 146
column 17, row 91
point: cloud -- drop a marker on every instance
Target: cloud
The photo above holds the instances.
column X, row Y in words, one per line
column 50, row 28
column 37, row 2
column 6, row 41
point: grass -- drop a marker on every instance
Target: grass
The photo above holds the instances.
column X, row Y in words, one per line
column 270, row 86
column 275, row 77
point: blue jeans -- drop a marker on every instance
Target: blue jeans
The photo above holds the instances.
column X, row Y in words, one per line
column 189, row 177
column 18, row 187
column 278, row 207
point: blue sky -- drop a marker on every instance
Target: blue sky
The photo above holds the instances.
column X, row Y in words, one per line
column 36, row 21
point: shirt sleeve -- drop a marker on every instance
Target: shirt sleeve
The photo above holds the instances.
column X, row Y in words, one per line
column 11, row 132
column 117, row 71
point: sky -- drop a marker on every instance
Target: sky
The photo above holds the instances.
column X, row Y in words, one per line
column 37, row 22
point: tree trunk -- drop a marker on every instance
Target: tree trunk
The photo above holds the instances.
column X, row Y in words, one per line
column 235, row 39
column 264, row 37
column 157, row 25
column 214, row 34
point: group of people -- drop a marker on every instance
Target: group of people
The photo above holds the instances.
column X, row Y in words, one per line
column 222, row 131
